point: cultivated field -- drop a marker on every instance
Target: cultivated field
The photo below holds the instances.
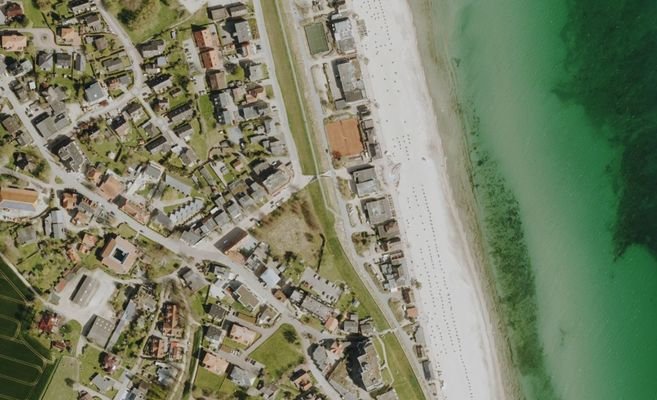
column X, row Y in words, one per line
column 25, row 367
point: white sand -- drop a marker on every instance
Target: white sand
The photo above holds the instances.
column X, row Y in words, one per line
column 453, row 313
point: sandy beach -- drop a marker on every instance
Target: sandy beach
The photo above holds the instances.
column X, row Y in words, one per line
column 453, row 309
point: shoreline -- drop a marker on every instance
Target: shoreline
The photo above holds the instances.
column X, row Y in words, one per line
column 457, row 247
column 460, row 174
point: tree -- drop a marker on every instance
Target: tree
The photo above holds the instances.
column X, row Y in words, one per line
column 290, row 335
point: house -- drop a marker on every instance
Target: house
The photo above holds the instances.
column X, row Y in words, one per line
column 100, row 331
column 48, row 323
column 160, row 83
column 45, row 60
column 242, row 377
column 12, row 12
column 88, row 243
column 78, row 62
column 54, row 224
column 100, row 43
column 214, row 335
column 72, row 156
column 365, row 181
column 194, row 280
column 270, row 277
column 103, row 383
column 80, row 6
column 11, row 124
column 181, row 113
column 152, row 48
column 120, row 125
column 217, row 312
column 378, row 211
column 246, row 297
column 111, row 187
column 211, row 59
column 301, row 380
column 342, row 34
column 158, row 144
column 94, row 92
column 231, row 239
column 257, row 72
column 13, row 41
column 134, row 111
column 48, row 125
column 184, row 131
column 242, row 335
column 204, row 39
column 243, row 32
column 68, row 35
column 331, row 324
column 349, row 76
column 119, row 255
column 317, row 308
column 275, row 181
column 112, row 64
column 92, row 22
column 368, row 368
column 218, row 13
column 84, row 291
column 214, row 363
column 238, row 10
column 156, row 348
column 63, row 60
column 344, row 138
column 171, row 321
column 18, row 199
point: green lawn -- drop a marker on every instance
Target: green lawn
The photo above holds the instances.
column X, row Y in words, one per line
column 207, row 383
column 285, row 72
column 280, row 353
column 34, row 14
column 405, row 381
column 66, row 372
column 166, row 16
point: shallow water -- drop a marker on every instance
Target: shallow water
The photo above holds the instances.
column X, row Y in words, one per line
column 564, row 100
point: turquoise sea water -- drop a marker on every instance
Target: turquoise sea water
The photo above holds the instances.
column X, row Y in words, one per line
column 561, row 102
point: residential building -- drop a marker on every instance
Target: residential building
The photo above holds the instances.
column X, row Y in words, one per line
column 113, row 64
column 171, row 321
column 242, row 335
column 218, row 13
column 73, row 157
column 378, row 211
column 242, row 377
column 351, row 83
column 238, row 10
column 181, row 113
column 211, row 59
column 204, row 39
column 54, row 224
column 317, row 308
column 243, row 32
column 368, row 368
column 152, row 48
column 13, row 41
column 68, row 35
column 342, row 34
column 214, row 363
column 94, row 92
